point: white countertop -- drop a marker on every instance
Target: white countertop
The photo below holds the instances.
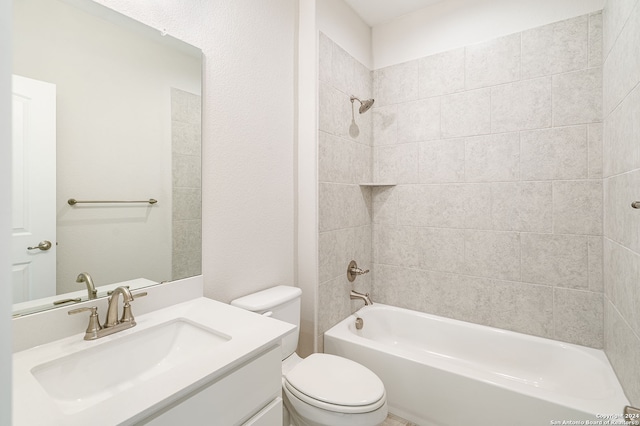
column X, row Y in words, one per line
column 251, row 334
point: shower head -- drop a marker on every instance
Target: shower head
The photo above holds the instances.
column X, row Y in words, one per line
column 364, row 105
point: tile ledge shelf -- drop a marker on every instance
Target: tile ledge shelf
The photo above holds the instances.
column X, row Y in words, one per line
column 372, row 184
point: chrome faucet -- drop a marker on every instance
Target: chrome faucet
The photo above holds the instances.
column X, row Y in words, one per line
column 111, row 323
column 84, row 277
column 365, row 297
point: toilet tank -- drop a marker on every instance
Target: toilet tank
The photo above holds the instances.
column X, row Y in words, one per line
column 282, row 303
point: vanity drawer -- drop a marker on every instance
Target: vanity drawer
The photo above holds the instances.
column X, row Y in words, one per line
column 271, row 415
column 233, row 399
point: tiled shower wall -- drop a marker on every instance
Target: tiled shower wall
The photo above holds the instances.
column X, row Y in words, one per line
column 621, row 187
column 187, row 184
column 496, row 149
column 345, row 152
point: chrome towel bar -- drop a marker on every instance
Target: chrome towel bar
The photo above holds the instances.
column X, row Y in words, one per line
column 73, row 201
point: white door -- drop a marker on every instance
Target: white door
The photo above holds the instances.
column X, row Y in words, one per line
column 34, row 189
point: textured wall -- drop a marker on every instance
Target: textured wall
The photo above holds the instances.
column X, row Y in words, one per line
column 621, row 186
column 496, row 149
column 451, row 24
column 339, row 22
column 248, row 156
column 344, row 161
column 248, row 196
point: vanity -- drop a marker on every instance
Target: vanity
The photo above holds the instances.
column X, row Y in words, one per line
column 195, row 362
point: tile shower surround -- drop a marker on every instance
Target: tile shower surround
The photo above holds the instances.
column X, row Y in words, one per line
column 186, row 183
column 344, row 160
column 497, row 152
column 505, row 185
column 498, row 215
column 621, row 169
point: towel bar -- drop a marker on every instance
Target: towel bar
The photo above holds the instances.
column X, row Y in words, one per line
column 73, row 201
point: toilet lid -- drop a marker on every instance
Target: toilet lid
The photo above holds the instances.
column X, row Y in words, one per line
column 335, row 380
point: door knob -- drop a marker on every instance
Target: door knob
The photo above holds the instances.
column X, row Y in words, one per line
column 44, row 245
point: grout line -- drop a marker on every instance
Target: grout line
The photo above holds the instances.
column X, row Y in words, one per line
column 615, row 40
column 619, row 104
column 464, row 70
column 622, row 317
column 501, row 280
column 551, row 93
column 621, row 174
column 620, row 245
column 589, row 41
column 591, row 258
column 553, row 313
column 521, row 256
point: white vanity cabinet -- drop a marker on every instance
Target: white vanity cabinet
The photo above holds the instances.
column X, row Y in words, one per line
column 248, row 395
column 200, row 362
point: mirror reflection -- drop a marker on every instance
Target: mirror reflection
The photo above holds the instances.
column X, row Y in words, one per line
column 105, row 109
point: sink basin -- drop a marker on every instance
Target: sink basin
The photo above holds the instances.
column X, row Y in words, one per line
column 85, row 378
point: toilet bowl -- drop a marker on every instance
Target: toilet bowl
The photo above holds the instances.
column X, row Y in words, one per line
column 322, row 389
column 325, row 389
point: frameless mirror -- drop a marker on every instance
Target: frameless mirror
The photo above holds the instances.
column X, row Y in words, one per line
column 106, row 111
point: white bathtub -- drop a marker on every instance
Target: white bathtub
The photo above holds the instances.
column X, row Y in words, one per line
column 443, row 372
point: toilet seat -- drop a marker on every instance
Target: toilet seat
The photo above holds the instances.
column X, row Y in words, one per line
column 335, row 384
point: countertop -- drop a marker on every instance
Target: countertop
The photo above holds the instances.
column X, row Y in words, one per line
column 251, row 335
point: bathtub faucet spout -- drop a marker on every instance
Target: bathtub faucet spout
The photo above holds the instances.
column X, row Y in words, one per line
column 365, row 297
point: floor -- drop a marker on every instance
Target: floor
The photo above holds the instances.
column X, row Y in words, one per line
column 393, row 420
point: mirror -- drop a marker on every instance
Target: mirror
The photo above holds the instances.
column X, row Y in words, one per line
column 104, row 109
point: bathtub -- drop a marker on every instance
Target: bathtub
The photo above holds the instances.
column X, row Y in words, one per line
column 443, row 372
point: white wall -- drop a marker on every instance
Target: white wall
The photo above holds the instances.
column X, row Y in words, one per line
column 307, row 176
column 5, row 211
column 341, row 24
column 248, row 192
column 248, row 134
column 457, row 23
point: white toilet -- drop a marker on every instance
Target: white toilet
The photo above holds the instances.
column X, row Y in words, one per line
column 322, row 389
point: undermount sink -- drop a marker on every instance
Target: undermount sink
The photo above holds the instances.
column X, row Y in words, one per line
column 87, row 377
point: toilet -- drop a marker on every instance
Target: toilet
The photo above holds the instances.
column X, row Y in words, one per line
column 322, row 389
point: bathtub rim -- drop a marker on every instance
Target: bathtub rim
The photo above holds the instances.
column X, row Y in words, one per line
column 341, row 332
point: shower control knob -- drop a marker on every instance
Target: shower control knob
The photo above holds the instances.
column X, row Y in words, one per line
column 353, row 271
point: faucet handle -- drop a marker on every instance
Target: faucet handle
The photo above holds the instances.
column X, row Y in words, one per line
column 94, row 323
column 135, row 296
column 93, row 309
column 127, row 315
column 353, row 271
